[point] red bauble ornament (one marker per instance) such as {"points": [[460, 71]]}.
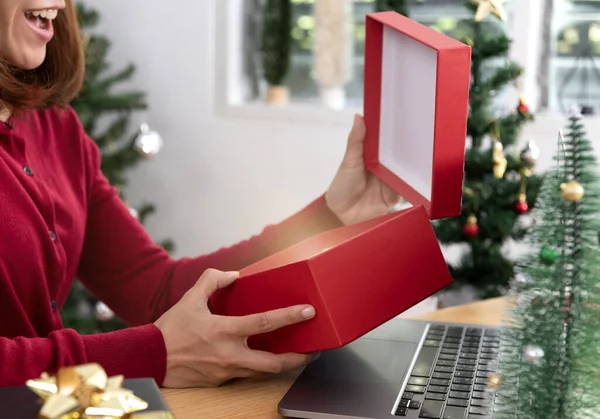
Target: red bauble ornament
{"points": [[471, 229], [523, 109], [521, 206]]}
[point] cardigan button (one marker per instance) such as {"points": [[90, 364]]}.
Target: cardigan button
{"points": [[53, 235], [28, 171], [53, 302]]}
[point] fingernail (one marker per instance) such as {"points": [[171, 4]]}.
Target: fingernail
{"points": [[308, 313]]}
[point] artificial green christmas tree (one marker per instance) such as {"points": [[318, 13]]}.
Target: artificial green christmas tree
{"points": [[551, 366], [500, 181], [276, 47], [106, 117], [399, 6]]}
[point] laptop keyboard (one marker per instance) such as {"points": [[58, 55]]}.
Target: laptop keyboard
{"points": [[450, 377]]}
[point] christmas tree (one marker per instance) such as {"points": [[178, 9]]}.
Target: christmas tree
{"points": [[106, 117], [276, 47], [399, 6], [552, 338], [500, 184]]}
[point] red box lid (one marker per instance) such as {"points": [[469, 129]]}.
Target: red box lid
{"points": [[416, 101]]}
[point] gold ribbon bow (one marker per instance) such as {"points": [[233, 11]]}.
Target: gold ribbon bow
{"points": [[86, 392]]}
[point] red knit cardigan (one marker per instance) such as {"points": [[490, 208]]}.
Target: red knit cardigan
{"points": [[60, 219]]}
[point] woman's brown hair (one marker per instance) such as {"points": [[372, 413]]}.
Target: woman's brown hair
{"points": [[58, 80]]}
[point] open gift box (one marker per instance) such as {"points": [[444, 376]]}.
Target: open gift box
{"points": [[360, 276]]}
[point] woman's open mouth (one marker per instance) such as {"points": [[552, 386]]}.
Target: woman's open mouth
{"points": [[41, 22]]}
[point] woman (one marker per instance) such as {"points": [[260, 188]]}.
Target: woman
{"points": [[61, 219]]}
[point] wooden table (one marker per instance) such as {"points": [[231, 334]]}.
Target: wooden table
{"points": [[259, 399]]}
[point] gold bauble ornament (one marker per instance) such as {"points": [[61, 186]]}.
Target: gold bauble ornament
{"points": [[572, 191], [494, 381], [485, 7]]}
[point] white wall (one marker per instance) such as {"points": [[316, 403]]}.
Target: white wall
{"points": [[216, 181], [220, 180]]}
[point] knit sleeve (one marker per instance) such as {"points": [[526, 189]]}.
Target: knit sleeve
{"points": [[133, 352]]}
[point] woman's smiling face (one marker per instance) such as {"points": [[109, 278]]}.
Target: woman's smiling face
{"points": [[25, 30]]}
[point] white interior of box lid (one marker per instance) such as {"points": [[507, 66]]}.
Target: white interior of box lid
{"points": [[408, 89]]}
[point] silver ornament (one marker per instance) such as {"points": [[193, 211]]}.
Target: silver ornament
{"points": [[530, 154], [103, 313], [518, 283], [533, 354], [521, 278], [134, 213], [148, 143]]}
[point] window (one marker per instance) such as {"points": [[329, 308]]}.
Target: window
{"points": [[441, 15], [575, 63], [562, 64]]}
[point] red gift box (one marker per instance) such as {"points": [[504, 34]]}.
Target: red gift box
{"points": [[360, 276]]}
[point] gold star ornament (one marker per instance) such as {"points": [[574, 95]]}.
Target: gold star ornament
{"points": [[485, 7]]}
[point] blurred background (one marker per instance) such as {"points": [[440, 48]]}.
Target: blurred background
{"points": [[239, 110]]}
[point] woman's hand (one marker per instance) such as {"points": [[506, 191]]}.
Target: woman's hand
{"points": [[355, 194], [204, 350]]}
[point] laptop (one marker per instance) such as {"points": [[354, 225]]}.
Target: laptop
{"points": [[405, 368]]}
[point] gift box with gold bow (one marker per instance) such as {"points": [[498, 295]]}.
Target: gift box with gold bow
{"points": [[84, 392]]}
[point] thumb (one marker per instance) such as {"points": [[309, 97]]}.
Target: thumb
{"points": [[210, 281], [356, 138]]}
